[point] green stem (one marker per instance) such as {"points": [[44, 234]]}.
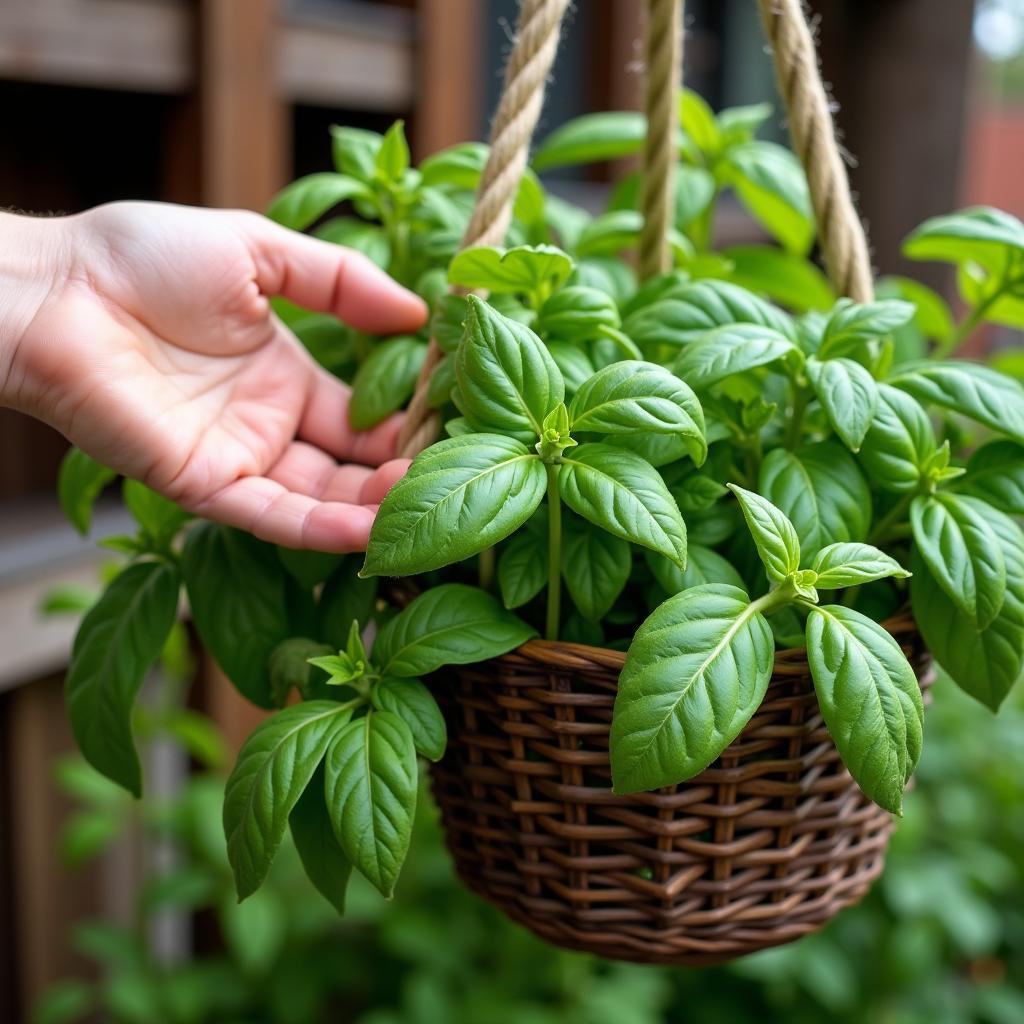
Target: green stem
{"points": [[486, 569], [554, 554], [801, 398], [975, 317], [884, 525]]}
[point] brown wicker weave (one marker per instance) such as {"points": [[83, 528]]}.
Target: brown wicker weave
{"points": [[764, 846]]}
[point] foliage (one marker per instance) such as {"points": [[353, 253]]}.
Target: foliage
{"points": [[684, 457]]}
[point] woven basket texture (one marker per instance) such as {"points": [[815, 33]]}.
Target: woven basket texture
{"points": [[766, 845]]}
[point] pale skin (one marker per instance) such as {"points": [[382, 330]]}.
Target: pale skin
{"points": [[143, 333]]}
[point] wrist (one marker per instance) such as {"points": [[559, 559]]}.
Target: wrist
{"points": [[35, 262]]}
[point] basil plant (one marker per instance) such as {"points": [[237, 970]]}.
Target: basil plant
{"points": [[698, 470]]}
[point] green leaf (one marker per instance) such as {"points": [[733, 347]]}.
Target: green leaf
{"points": [[576, 313], [702, 566], [159, 518], [774, 535], [620, 492], [460, 496], [344, 599], [237, 590], [695, 672], [975, 391], [117, 643], [370, 784], [981, 234], [931, 311], [869, 698], [784, 277], [522, 270], [355, 151], [962, 552], [309, 568], [849, 396], [291, 666], [698, 121], [369, 239], [770, 183], [573, 363], [848, 564], [685, 313], [595, 568], [610, 234], [392, 159], [729, 350], [995, 473], [590, 138], [322, 857], [385, 381], [80, 481], [739, 124], [273, 768], [851, 324], [411, 701], [822, 491], [633, 397], [988, 663], [899, 443], [522, 568], [507, 378], [452, 624], [304, 201]]}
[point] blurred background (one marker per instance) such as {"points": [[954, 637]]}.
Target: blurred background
{"points": [[123, 910]]}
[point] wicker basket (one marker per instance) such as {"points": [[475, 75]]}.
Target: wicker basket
{"points": [[763, 847]]}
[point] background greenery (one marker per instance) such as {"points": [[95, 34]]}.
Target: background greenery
{"points": [[939, 941]]}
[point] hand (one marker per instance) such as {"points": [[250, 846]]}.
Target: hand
{"points": [[153, 347]]}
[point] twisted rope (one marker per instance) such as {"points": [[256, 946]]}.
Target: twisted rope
{"points": [[840, 232], [526, 73], [664, 57]]}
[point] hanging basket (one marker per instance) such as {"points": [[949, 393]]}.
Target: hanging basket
{"points": [[766, 845], [774, 838]]}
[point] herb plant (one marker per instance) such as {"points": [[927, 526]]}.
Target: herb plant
{"points": [[698, 470]]}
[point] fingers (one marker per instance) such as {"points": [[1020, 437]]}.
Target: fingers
{"points": [[325, 424], [329, 278], [307, 470], [273, 513]]}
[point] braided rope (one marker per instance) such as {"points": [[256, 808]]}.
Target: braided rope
{"points": [[526, 73], [664, 58], [840, 232]]}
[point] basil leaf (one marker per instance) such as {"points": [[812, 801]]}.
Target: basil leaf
{"points": [[702, 566], [976, 391], [851, 324], [899, 443], [590, 138], [385, 381], [849, 565], [770, 183], [306, 200], [981, 235], [370, 778], [774, 535], [573, 363], [698, 122], [623, 494], [448, 625], [392, 159], [522, 568], [274, 766], [610, 233], [738, 124], [355, 151], [869, 698], [595, 568], [344, 599], [695, 672], [459, 496], [524, 269], [158, 518], [309, 568], [369, 239], [632, 397], [995, 473], [784, 277], [576, 313], [119, 639], [686, 312], [849, 396], [237, 590], [729, 350], [962, 552], [822, 491], [80, 481], [507, 379], [988, 663], [411, 701], [324, 861]]}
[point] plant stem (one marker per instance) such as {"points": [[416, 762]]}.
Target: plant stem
{"points": [[554, 554], [891, 518], [486, 569], [801, 397]]}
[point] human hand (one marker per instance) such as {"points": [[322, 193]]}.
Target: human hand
{"points": [[143, 333]]}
